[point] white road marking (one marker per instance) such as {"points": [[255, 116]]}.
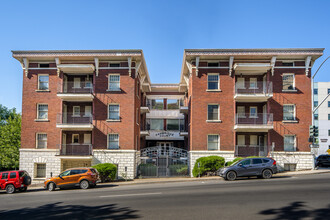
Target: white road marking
{"points": [[141, 194]]}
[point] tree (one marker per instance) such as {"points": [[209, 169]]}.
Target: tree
{"points": [[10, 138]]}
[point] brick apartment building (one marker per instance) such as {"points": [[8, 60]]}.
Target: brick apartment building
{"points": [[81, 108]]}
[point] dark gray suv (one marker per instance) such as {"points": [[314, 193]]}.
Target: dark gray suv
{"points": [[260, 167]]}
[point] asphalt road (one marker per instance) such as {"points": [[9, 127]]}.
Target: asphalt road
{"points": [[297, 197]]}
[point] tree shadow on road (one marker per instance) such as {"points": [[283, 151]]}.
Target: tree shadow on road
{"points": [[297, 211], [64, 211]]}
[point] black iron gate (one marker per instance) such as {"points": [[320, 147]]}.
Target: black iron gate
{"points": [[157, 162]]}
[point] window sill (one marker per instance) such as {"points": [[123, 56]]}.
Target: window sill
{"points": [[38, 90], [87, 116], [113, 120], [108, 90], [253, 116], [253, 88], [76, 87], [213, 90], [291, 90], [241, 116], [41, 120], [290, 121], [213, 121]]}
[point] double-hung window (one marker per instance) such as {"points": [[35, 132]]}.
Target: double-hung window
{"points": [[43, 82], [40, 169], [213, 81], [212, 142], [253, 112], [212, 112], [41, 141], [113, 141], [114, 82], [289, 112], [76, 111], [289, 143], [42, 111], [288, 81], [241, 111], [113, 112], [253, 83]]}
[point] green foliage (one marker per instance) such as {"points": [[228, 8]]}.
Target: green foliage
{"points": [[147, 170], [107, 171], [208, 164], [179, 169], [228, 163], [10, 138]]}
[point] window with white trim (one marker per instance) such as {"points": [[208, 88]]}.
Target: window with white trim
{"points": [[76, 111], [289, 112], [253, 83], [76, 82], [113, 141], [213, 142], [88, 111], [114, 82], [253, 140], [43, 82], [241, 140], [75, 138], [88, 82], [240, 84], [253, 112], [42, 111], [288, 81], [113, 112], [241, 111], [213, 81], [40, 170], [212, 112], [41, 141], [290, 143]]}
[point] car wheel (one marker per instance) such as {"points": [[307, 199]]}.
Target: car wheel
{"points": [[84, 184], [267, 174], [51, 186], [10, 189], [231, 175], [23, 189]]}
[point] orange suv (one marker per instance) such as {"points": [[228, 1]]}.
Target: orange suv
{"points": [[83, 177]]}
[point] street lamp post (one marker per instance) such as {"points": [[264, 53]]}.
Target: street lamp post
{"points": [[314, 109]]}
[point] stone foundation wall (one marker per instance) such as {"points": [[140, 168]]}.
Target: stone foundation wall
{"points": [[194, 155], [302, 160], [122, 158], [30, 157]]}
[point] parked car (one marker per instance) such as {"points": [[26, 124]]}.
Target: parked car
{"points": [[83, 177], [16, 180], [260, 167], [323, 160]]}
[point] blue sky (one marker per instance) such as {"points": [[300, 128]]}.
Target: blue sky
{"points": [[163, 29]]}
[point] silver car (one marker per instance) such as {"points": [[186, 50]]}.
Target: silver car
{"points": [[260, 167]]}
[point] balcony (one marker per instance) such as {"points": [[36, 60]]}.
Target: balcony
{"points": [[260, 92], [261, 122], [76, 150], [184, 109], [144, 109], [73, 91], [250, 150], [73, 122]]}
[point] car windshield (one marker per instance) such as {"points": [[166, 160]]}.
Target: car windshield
{"points": [[233, 164], [65, 173]]}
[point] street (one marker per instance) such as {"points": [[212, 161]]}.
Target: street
{"points": [[285, 197]]}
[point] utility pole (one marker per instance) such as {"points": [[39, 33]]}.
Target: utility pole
{"points": [[314, 109]]}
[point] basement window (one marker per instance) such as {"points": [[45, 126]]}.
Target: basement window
{"points": [[43, 65]]}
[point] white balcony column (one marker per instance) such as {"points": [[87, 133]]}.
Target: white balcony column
{"points": [[272, 63], [58, 62], [129, 60], [231, 61], [307, 63], [197, 65], [96, 60], [26, 66]]}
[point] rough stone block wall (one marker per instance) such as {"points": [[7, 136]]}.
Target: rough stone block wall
{"points": [[194, 155], [303, 160], [122, 158], [28, 158]]}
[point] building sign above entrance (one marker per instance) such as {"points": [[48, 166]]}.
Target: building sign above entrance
{"points": [[164, 135]]}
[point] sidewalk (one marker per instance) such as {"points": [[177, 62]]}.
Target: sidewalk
{"points": [[185, 179]]}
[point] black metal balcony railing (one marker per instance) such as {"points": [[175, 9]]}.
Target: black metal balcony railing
{"points": [[71, 119], [75, 88], [250, 150], [254, 119], [76, 150], [258, 88]]}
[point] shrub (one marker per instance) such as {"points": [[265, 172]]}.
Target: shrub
{"points": [[231, 162], [179, 169], [147, 170], [208, 164], [107, 171]]}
